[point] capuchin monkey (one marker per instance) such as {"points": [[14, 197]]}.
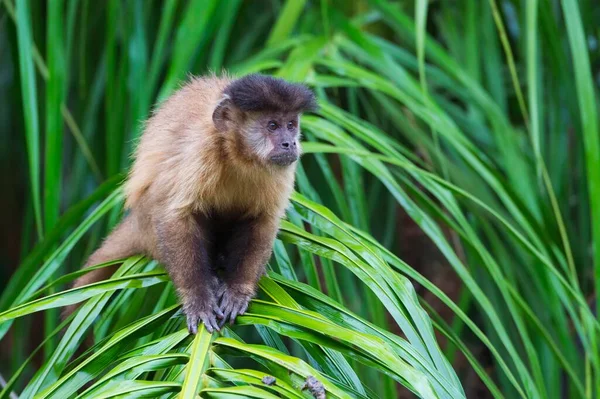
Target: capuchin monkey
{"points": [[211, 180]]}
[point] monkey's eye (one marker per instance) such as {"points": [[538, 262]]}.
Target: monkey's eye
{"points": [[291, 125], [272, 126]]}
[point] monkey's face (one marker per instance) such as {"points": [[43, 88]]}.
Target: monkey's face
{"points": [[274, 138]]}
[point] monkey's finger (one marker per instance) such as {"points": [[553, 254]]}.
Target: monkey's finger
{"points": [[192, 324], [218, 312], [225, 304], [234, 314], [238, 309], [215, 322], [226, 315], [208, 324], [244, 308]]}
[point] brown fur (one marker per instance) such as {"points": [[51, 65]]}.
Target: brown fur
{"points": [[121, 243], [204, 200]]}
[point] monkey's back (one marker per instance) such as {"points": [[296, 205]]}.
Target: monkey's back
{"points": [[175, 138]]}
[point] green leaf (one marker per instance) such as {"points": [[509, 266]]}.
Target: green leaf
{"points": [[291, 363], [30, 107], [588, 112], [138, 389], [238, 392], [254, 377], [190, 33], [55, 259], [79, 294], [96, 362], [286, 21], [197, 365], [130, 369]]}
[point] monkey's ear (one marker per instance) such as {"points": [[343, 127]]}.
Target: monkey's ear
{"points": [[222, 113]]}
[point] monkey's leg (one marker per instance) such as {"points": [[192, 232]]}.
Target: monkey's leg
{"points": [[122, 242], [246, 254], [185, 249]]}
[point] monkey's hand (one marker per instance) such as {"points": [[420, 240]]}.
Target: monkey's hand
{"points": [[234, 300], [203, 309]]}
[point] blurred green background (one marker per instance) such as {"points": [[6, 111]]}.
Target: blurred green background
{"points": [[444, 240]]}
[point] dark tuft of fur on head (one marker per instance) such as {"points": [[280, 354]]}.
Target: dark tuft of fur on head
{"points": [[257, 92]]}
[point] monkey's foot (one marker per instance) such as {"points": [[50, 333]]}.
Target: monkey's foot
{"points": [[205, 314], [234, 302]]}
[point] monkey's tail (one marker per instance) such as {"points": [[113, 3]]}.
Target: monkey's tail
{"points": [[122, 242]]}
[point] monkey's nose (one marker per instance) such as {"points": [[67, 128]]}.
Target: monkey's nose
{"points": [[285, 144]]}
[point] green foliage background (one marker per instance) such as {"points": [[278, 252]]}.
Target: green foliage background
{"points": [[477, 119]]}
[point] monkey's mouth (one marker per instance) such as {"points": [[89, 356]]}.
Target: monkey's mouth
{"points": [[285, 158]]}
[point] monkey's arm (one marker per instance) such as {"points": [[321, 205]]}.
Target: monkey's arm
{"points": [[246, 254], [184, 248]]}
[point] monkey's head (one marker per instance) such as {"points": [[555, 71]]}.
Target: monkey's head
{"points": [[263, 115]]}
